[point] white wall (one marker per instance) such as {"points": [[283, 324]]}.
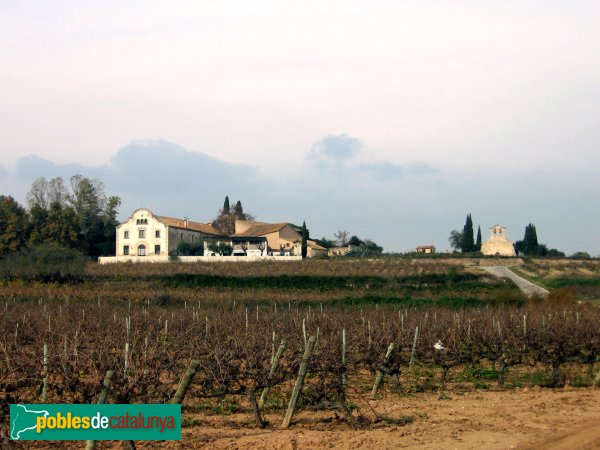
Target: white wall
{"points": [[165, 258]]}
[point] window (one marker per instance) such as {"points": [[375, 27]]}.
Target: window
{"points": [[142, 234], [126, 234], [142, 250], [126, 250], [157, 234], [181, 236], [157, 249]]}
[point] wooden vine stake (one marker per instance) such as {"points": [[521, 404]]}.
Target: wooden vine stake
{"points": [[186, 381], [413, 355], [274, 367], [299, 381], [45, 385], [344, 372], [381, 374], [91, 445]]}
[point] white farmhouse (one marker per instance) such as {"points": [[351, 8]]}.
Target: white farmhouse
{"points": [[146, 234]]}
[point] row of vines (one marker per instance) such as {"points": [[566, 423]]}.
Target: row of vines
{"points": [[61, 349]]}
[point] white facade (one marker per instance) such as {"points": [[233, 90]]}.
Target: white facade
{"points": [[144, 234], [498, 244]]}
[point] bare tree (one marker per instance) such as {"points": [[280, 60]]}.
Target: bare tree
{"points": [[341, 237]]}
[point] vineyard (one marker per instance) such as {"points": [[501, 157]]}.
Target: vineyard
{"points": [[359, 334]]}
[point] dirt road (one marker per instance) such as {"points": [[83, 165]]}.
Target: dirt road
{"points": [[526, 286]]}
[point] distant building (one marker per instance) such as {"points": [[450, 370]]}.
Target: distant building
{"points": [[312, 249], [280, 236], [498, 244], [340, 251], [426, 249], [146, 234]]}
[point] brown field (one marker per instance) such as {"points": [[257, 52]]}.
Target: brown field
{"points": [[489, 389], [526, 418]]}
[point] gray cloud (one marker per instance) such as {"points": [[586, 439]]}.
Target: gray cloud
{"points": [[334, 149], [339, 153], [386, 171]]}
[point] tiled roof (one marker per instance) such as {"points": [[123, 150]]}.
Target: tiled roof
{"points": [[195, 226], [261, 229], [311, 244], [314, 245]]}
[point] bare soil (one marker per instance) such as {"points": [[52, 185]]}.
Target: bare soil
{"points": [[528, 418]]}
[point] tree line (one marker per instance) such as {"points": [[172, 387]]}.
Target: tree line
{"points": [[79, 216]]}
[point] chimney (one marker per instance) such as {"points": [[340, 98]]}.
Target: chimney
{"points": [[185, 222]]}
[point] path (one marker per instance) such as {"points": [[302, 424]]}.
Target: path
{"points": [[526, 286]]}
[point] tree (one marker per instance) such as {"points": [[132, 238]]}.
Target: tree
{"points": [[354, 240], [220, 248], [95, 215], [478, 242], [341, 238], [326, 243], [468, 244], [529, 246], [43, 193], [226, 205], [57, 224], [225, 220], [83, 218], [14, 225], [304, 245], [456, 240], [186, 248], [238, 210], [367, 249], [581, 255]]}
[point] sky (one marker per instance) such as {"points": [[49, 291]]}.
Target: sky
{"points": [[389, 119]]}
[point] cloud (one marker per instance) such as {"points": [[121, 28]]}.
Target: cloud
{"points": [[386, 171], [150, 173], [158, 165], [341, 153], [334, 149]]}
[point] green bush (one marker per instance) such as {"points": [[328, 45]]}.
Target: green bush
{"points": [[45, 262], [185, 248]]}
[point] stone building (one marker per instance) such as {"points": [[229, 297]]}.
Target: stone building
{"points": [[498, 244]]}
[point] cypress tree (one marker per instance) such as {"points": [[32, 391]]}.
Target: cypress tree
{"points": [[304, 245], [468, 243], [478, 243], [226, 205], [530, 241], [238, 210]]}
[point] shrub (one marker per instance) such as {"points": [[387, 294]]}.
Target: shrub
{"points": [[186, 248], [45, 262]]}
